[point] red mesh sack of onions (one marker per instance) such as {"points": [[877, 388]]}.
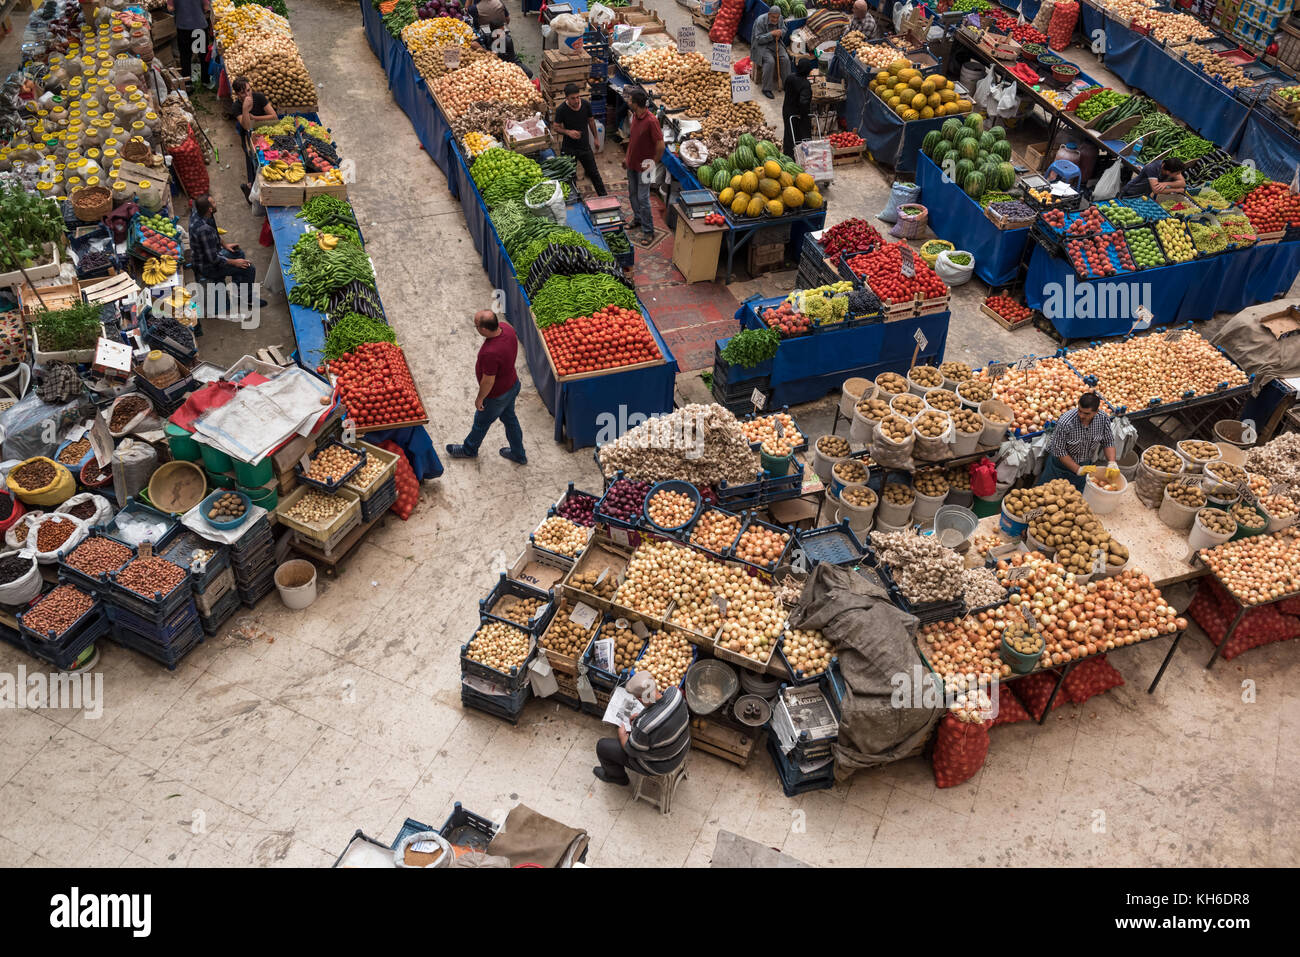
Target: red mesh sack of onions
{"points": [[1261, 626], [1010, 710], [187, 160], [1033, 692], [959, 751], [1093, 676], [408, 489]]}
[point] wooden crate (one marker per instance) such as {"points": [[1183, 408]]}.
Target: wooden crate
{"points": [[765, 257], [316, 534], [844, 155], [637, 15], [312, 190], [587, 375], [62, 296], [929, 307], [600, 555], [1006, 323], [276, 193], [703, 22], [561, 663], [727, 740]]}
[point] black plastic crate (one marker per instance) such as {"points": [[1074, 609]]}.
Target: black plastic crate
{"points": [[222, 612], [255, 592], [493, 704], [925, 612], [63, 650], [797, 677], [255, 536], [752, 521], [169, 656], [467, 829], [835, 544], [326, 486], [794, 781], [136, 507], [96, 585], [506, 587], [156, 609], [513, 679], [409, 826], [573, 491], [181, 551], [726, 552], [163, 633], [177, 350], [633, 521], [246, 575], [380, 501]]}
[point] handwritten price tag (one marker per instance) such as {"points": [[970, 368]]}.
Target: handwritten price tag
{"points": [[908, 267], [1173, 335], [1017, 572], [920, 338], [1026, 362], [686, 39], [451, 57], [997, 370], [741, 90], [720, 57], [757, 399]]}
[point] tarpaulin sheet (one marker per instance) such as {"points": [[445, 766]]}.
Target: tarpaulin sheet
{"points": [[1196, 290], [308, 324], [1274, 149], [890, 140], [956, 217], [1188, 95], [807, 367]]}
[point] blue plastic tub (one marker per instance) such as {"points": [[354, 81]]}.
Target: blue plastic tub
{"points": [[672, 485]]}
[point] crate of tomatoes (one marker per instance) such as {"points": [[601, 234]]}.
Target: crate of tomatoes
{"points": [[882, 270], [376, 387], [1006, 312], [611, 338]]}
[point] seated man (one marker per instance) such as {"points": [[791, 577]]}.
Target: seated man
{"points": [[767, 50], [659, 739], [215, 261]]}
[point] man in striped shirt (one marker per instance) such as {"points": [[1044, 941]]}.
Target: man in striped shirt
{"points": [[1076, 439], [658, 741]]}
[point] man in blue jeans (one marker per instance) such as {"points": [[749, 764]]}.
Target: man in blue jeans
{"points": [[498, 387], [645, 147]]}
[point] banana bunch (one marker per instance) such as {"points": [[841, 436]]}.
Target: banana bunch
{"points": [[280, 170], [326, 241], [158, 268], [180, 297]]}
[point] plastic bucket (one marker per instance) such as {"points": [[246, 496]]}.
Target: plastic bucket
{"points": [[775, 465], [926, 506], [268, 498], [254, 475], [1037, 546], [215, 460], [1229, 431], [1009, 524], [1277, 524], [1201, 537], [853, 391], [296, 582], [1020, 662], [1101, 501], [1175, 514], [181, 444], [859, 516], [885, 527], [897, 515], [1128, 465], [1244, 532], [995, 432], [987, 505]]}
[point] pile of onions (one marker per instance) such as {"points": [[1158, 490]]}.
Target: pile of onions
{"points": [[1039, 394], [1131, 373], [1075, 620], [490, 80], [1259, 569]]}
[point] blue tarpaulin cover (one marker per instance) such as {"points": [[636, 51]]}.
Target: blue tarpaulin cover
{"points": [[956, 217]]}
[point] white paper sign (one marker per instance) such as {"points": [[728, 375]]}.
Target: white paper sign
{"points": [[741, 90], [686, 39], [920, 338], [619, 536], [451, 57], [720, 57], [101, 441], [583, 615], [757, 399]]}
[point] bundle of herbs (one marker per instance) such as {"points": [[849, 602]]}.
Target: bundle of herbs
{"points": [[61, 330], [27, 222]]}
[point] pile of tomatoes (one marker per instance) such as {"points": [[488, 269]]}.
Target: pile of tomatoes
{"points": [[846, 140], [1008, 308], [1272, 207], [883, 271], [375, 384], [607, 339], [715, 219]]}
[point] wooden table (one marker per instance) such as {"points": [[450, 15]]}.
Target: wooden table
{"points": [[696, 247]]}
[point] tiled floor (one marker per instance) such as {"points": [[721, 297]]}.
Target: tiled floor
{"points": [[272, 743]]}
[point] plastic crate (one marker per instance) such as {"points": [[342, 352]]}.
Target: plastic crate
{"points": [[507, 587], [793, 780], [156, 609], [96, 585], [513, 679], [250, 571], [695, 656], [831, 687], [334, 486], [135, 506], [62, 650], [682, 532], [380, 483], [177, 350], [409, 826], [328, 534], [802, 447], [221, 613], [726, 552], [216, 590], [569, 493], [254, 593], [925, 612], [835, 544], [181, 551], [169, 656], [379, 501], [254, 535], [172, 395], [632, 522], [752, 521], [467, 829], [507, 709], [796, 677]]}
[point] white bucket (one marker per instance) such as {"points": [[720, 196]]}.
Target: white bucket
{"points": [[296, 591], [1110, 571], [1101, 501], [1128, 465], [968, 403], [1194, 465], [1177, 515], [903, 409], [995, 432], [1201, 537], [1277, 524], [926, 506], [891, 514], [1037, 546], [853, 391], [917, 388], [965, 443]]}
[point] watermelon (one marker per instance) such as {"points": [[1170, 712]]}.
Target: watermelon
{"points": [[974, 185], [982, 157], [944, 156], [746, 140], [969, 148], [705, 174], [721, 180], [744, 156], [951, 127], [965, 168], [798, 10], [987, 140], [767, 150], [1006, 176], [975, 122], [931, 143], [998, 133], [1002, 150]]}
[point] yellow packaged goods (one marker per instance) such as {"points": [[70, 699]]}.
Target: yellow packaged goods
{"points": [[41, 481]]}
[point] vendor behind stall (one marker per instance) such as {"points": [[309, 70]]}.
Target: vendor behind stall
{"points": [[862, 21], [1078, 435], [767, 50], [1157, 177], [252, 109]]}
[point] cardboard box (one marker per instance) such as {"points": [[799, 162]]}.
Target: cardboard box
{"points": [[1035, 153], [164, 28]]}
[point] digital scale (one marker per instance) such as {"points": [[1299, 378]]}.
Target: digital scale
{"points": [[605, 212], [697, 203]]}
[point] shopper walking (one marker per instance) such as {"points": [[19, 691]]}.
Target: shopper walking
{"points": [[767, 50], [658, 739], [498, 387], [645, 141], [796, 107], [1079, 434], [191, 34], [577, 129]]}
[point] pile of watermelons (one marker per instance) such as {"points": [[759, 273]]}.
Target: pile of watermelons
{"points": [[757, 179], [976, 159]]}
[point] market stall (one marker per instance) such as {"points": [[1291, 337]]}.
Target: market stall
{"points": [[959, 218], [892, 140]]}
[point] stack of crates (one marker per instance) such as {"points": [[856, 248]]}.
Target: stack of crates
{"points": [[379, 493], [252, 559], [164, 627], [596, 46], [66, 649], [212, 578], [501, 694], [805, 724]]}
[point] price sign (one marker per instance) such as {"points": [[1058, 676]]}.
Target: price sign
{"points": [[1190, 480], [780, 429], [602, 653], [686, 38], [1017, 572], [451, 57], [1247, 494], [721, 602], [640, 630], [619, 536], [997, 370], [757, 399], [1173, 335], [1026, 362], [741, 90], [920, 338], [1035, 513], [146, 549], [720, 57], [584, 616], [101, 440], [908, 267]]}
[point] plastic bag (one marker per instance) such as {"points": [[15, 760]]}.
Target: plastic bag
{"points": [[26, 586], [58, 489], [983, 89], [1124, 435], [815, 158], [13, 538], [952, 273], [983, 477], [1013, 460], [134, 461], [71, 542], [600, 15], [885, 451], [103, 508], [910, 225], [900, 194], [552, 206], [1006, 102], [31, 427], [1044, 16], [1108, 186], [901, 13]]}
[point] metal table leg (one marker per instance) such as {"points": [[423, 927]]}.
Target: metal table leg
{"points": [[1047, 708], [1169, 656], [1227, 635]]}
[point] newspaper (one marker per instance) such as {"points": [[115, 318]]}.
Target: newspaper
{"points": [[261, 417]]}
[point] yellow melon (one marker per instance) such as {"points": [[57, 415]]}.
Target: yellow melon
{"points": [[791, 197], [813, 200], [901, 109], [775, 208], [785, 179], [934, 100], [726, 196], [947, 96], [909, 115], [894, 102], [915, 83], [928, 87], [769, 188], [755, 207], [899, 65], [772, 169], [739, 204], [927, 112], [749, 182], [735, 182], [805, 183], [901, 88], [883, 76], [908, 73], [917, 101], [963, 106]]}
